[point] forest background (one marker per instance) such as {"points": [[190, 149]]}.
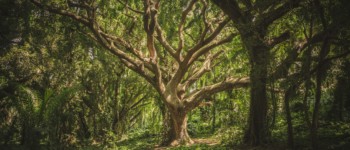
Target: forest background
{"points": [[207, 74]]}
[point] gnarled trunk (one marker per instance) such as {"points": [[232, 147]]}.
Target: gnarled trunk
{"points": [[179, 127], [175, 124]]}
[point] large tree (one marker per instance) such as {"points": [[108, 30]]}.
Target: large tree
{"points": [[255, 22], [252, 20], [171, 61]]}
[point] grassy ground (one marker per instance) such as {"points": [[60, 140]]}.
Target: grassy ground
{"points": [[331, 137], [204, 142]]}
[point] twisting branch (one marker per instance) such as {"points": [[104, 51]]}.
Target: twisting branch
{"points": [[149, 20], [130, 8], [205, 21], [206, 67], [214, 44], [150, 23], [197, 51], [162, 40], [277, 13], [141, 72], [206, 41], [105, 40], [185, 12], [194, 98], [281, 38], [124, 43], [231, 8], [117, 52], [337, 56], [137, 53], [282, 69]]}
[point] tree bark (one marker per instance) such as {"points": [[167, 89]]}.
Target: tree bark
{"points": [[314, 125], [320, 74], [168, 130], [336, 112], [213, 119], [274, 107], [179, 127], [175, 127], [256, 133], [288, 95]]}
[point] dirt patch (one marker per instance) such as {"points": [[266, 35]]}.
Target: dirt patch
{"points": [[197, 141], [207, 141]]}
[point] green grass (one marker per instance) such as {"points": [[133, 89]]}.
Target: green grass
{"points": [[332, 136]]}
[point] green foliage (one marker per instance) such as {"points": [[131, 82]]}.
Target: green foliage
{"points": [[61, 90], [231, 136]]}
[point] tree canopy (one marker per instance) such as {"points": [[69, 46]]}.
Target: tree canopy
{"points": [[100, 74]]}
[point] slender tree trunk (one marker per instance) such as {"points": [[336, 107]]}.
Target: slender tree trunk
{"points": [[314, 124], [274, 107], [307, 76], [321, 70], [336, 113], [213, 119], [84, 126], [288, 95]]}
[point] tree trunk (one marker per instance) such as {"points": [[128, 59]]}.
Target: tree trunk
{"points": [[256, 133], [213, 119], [274, 107], [168, 129], [175, 127], [314, 125], [307, 77], [320, 74], [257, 127], [179, 126], [336, 113], [288, 95]]}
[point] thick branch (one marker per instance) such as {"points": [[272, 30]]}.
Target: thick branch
{"points": [[149, 20], [281, 38], [231, 8], [123, 43], [162, 40], [337, 56], [194, 98], [181, 25], [189, 61], [140, 71], [277, 13], [206, 67], [200, 49], [211, 37], [281, 70], [206, 49], [105, 40]]}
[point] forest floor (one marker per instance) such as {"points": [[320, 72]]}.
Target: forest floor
{"points": [[151, 142], [198, 142], [331, 137]]}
